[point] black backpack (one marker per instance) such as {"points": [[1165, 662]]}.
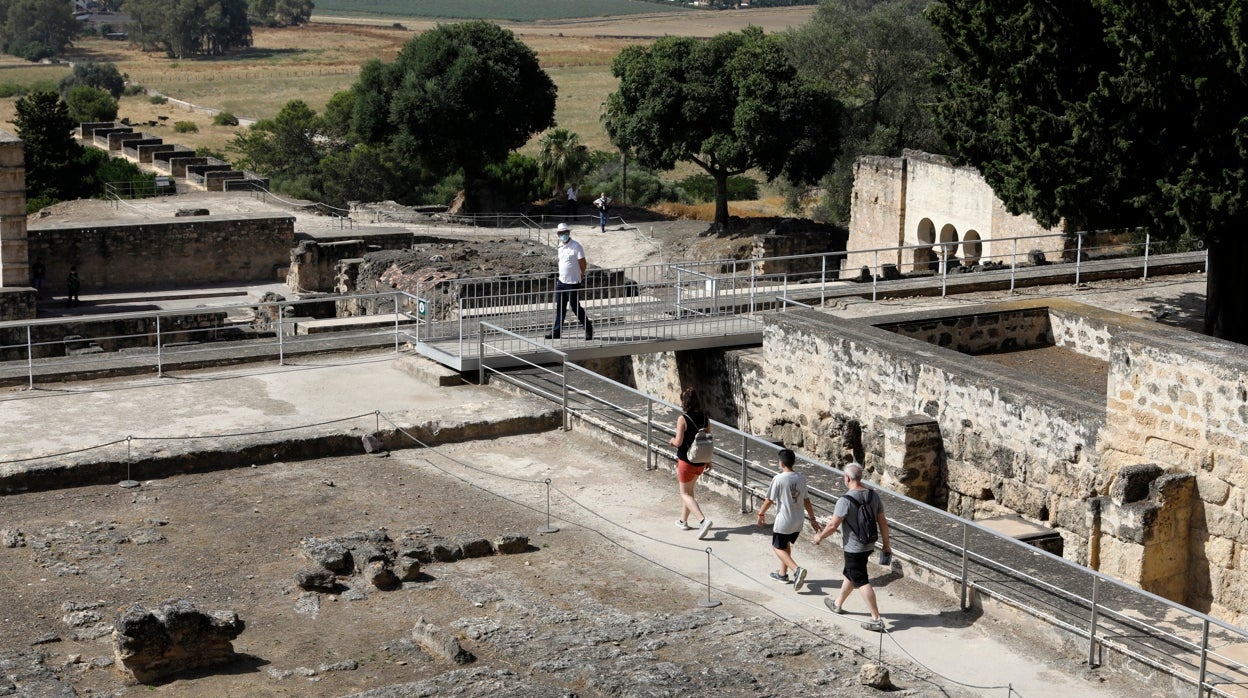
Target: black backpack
{"points": [[861, 518]]}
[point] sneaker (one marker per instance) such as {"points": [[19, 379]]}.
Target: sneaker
{"points": [[551, 335], [799, 578], [875, 626], [589, 331], [781, 577], [704, 529], [683, 526], [831, 604]]}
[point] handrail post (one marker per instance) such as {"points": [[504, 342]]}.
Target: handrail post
{"points": [[481, 359], [1147, 239], [1096, 594], [281, 349], [1078, 256], [1204, 658], [1013, 264], [823, 279], [875, 275], [160, 368], [30, 361], [396, 322], [744, 470], [649, 434], [567, 417], [966, 532]]}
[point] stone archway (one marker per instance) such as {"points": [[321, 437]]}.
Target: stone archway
{"points": [[972, 247], [924, 256], [947, 250]]}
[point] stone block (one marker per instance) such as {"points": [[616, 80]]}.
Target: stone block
{"points": [[440, 644], [316, 579], [175, 637], [510, 544], [474, 546], [1133, 482]]}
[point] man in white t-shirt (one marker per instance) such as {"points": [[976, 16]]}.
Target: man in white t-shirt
{"points": [[788, 493], [573, 193], [569, 283]]}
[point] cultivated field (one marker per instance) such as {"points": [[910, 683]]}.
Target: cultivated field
{"points": [[526, 11], [314, 62]]}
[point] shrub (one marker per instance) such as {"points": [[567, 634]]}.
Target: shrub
{"points": [[132, 89], [158, 99], [87, 103], [224, 119], [701, 187], [38, 203], [644, 186], [185, 127]]}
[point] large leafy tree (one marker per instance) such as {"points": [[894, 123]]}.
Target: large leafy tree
{"points": [[460, 96], [36, 29], [281, 12], [728, 105], [52, 157], [184, 28], [877, 58], [1110, 113], [101, 75]]}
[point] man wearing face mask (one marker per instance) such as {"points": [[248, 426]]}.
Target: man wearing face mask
{"points": [[569, 282]]}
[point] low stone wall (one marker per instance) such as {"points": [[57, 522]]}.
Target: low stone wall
{"points": [[17, 304], [179, 251], [108, 335]]}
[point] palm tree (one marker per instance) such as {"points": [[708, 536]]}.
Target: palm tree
{"points": [[563, 158]]}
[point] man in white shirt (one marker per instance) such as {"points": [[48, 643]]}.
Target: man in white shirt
{"points": [[573, 193], [569, 283]]}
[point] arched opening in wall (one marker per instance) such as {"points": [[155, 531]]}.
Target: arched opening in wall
{"points": [[972, 248], [948, 247], [924, 255]]}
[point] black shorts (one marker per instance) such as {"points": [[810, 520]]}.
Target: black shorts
{"points": [[856, 568], [782, 541]]}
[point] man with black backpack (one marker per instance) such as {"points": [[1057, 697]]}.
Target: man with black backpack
{"points": [[862, 512]]}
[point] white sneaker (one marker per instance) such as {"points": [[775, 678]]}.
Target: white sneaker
{"points": [[704, 529], [799, 578], [683, 526]]}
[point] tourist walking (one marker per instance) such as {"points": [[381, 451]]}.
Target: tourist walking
{"points": [[692, 419], [862, 512], [788, 493], [569, 282], [72, 284], [603, 204]]}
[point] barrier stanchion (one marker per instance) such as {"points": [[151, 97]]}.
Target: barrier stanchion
{"points": [[708, 602], [548, 528], [128, 483]]}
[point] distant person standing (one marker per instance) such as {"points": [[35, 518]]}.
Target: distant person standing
{"points": [[569, 282], [603, 204], [788, 493], [862, 512], [37, 272], [573, 193], [73, 284]]}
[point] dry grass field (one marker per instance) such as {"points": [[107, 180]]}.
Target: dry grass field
{"points": [[314, 62]]}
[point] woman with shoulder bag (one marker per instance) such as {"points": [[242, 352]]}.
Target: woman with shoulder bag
{"points": [[688, 423]]}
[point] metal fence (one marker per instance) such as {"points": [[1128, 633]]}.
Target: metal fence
{"points": [[1107, 615]]}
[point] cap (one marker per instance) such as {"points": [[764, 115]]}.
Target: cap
{"points": [[562, 228]]}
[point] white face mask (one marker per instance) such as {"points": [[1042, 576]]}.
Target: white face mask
{"points": [[564, 237]]}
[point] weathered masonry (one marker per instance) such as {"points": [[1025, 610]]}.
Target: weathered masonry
{"points": [[1138, 458]]}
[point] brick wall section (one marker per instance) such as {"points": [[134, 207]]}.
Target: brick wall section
{"points": [[178, 251]]}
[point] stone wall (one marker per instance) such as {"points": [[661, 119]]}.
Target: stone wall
{"points": [[14, 257], [177, 251], [89, 335], [17, 304], [921, 198]]}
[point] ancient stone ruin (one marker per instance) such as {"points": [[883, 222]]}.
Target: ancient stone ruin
{"points": [[149, 645]]}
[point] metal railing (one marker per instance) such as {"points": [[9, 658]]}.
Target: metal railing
{"points": [[1193, 647]]}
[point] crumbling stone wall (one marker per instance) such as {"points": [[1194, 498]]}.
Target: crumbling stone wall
{"points": [[181, 251], [64, 338], [17, 304]]}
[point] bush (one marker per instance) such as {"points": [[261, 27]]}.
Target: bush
{"points": [[224, 119], [38, 203], [87, 103], [185, 127], [517, 181], [701, 187], [644, 186], [132, 89], [158, 99]]}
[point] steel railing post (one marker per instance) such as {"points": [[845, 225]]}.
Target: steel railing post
{"points": [[567, 417], [875, 276], [160, 367], [1204, 658], [944, 273], [281, 355], [744, 471], [823, 279], [649, 434], [396, 322], [30, 361], [1013, 264], [1147, 239], [1078, 256], [481, 359], [966, 533], [1096, 596]]}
